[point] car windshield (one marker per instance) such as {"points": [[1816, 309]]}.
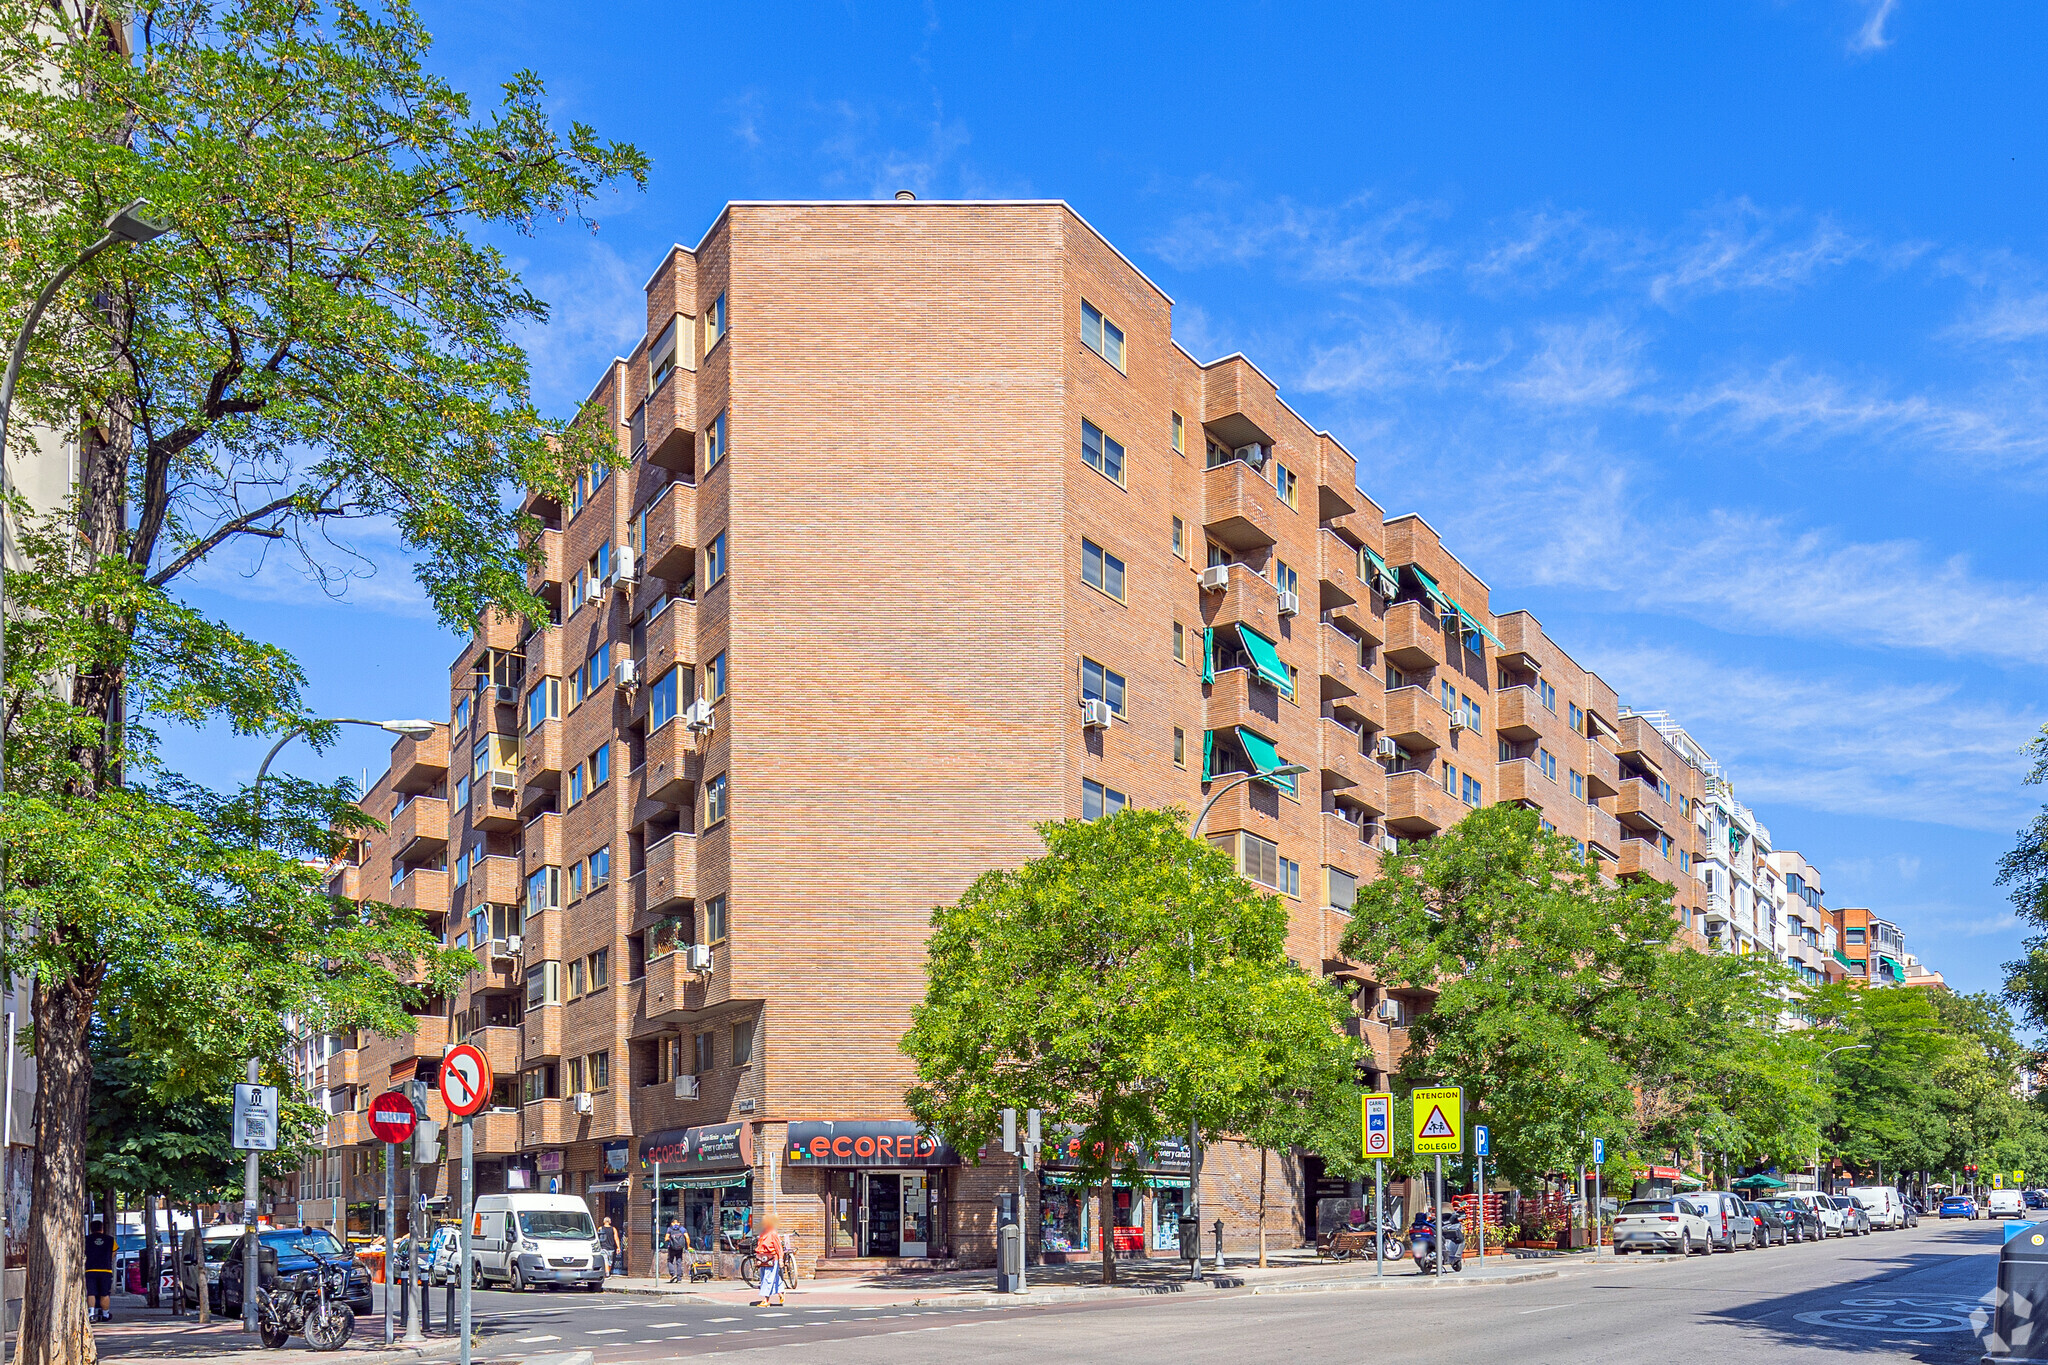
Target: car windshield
{"points": [[559, 1224], [220, 1248], [1782, 1205], [310, 1241], [1647, 1206]]}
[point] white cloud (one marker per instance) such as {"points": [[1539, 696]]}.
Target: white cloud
{"points": [[1358, 242], [2007, 319], [1870, 35], [858, 162], [597, 310], [1592, 362], [1393, 351], [1738, 246], [363, 567]]}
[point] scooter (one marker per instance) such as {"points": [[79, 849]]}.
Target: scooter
{"points": [[1422, 1240]]}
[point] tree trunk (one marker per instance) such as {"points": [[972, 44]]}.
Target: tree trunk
{"points": [[199, 1270], [149, 1267], [1106, 1203], [1262, 1208], [53, 1325]]}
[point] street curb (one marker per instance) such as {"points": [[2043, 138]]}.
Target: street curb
{"points": [[1402, 1282]]}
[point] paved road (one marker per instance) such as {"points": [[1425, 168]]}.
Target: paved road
{"points": [[1895, 1296]]}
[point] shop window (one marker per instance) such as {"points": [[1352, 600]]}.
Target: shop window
{"points": [[1064, 1217]]}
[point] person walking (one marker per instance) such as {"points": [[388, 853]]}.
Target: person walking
{"points": [[99, 1272], [768, 1251], [678, 1243], [614, 1252]]}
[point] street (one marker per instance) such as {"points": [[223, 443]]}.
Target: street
{"points": [[1904, 1296]]}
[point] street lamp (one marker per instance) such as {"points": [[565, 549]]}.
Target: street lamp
{"points": [[1846, 1047], [411, 729], [1194, 1123]]}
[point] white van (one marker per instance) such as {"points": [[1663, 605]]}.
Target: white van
{"points": [[529, 1239], [1729, 1223], [1882, 1202], [2005, 1204]]}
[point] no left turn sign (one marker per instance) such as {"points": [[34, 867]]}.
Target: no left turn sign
{"points": [[465, 1080]]}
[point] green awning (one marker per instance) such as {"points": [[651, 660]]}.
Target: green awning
{"points": [[1208, 655], [1266, 659], [1264, 757], [1758, 1181], [1429, 586], [1898, 972], [1388, 582], [1208, 753], [1471, 626], [1845, 959]]}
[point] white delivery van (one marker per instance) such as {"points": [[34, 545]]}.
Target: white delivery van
{"points": [[1883, 1203], [2005, 1204], [529, 1239]]}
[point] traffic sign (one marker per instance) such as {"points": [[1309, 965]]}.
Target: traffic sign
{"points": [[2019, 1177], [1599, 1151], [391, 1116], [1482, 1141], [1377, 1119], [465, 1080], [254, 1125], [1439, 1121]]}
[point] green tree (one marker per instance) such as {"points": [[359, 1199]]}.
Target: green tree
{"points": [[320, 343], [1121, 981], [2025, 870], [1546, 976], [1881, 1103]]}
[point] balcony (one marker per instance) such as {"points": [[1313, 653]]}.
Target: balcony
{"points": [[543, 655], [670, 876], [1519, 714], [1337, 572], [1236, 699], [540, 764], [346, 882], [348, 1129], [424, 889], [665, 641], [494, 802], [341, 1069], [1519, 779], [1336, 480], [1641, 808], [420, 765], [1238, 507], [545, 577], [1247, 597], [1603, 833], [1418, 806], [1416, 719], [1357, 619], [541, 1035], [674, 992], [670, 424], [1640, 858], [501, 1046], [1367, 704], [496, 880], [496, 1131], [541, 846], [671, 522], [673, 765], [420, 829], [1347, 847], [1344, 759], [495, 972], [1415, 641], [553, 1123]]}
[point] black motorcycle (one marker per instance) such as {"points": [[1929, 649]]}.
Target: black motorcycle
{"points": [[1422, 1241], [313, 1305]]}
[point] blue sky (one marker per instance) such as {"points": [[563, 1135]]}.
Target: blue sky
{"points": [[1717, 336]]}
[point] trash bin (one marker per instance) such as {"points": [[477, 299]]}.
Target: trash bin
{"points": [[2019, 1322]]}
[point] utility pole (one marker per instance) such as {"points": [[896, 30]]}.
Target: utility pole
{"points": [[250, 1172]]}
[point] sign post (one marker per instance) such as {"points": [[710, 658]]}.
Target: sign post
{"points": [[392, 1119], [466, 1088], [255, 1132], [1599, 1160], [1481, 1147], [1439, 1130], [1376, 1125]]}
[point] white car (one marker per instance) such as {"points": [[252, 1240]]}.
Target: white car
{"points": [[1887, 1209], [1660, 1225], [1833, 1223]]}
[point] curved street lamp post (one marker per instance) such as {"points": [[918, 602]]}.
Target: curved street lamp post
{"points": [[1847, 1047]]}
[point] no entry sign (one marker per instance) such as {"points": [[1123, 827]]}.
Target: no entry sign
{"points": [[391, 1116], [465, 1080]]}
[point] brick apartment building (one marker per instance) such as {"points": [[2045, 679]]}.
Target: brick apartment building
{"points": [[923, 530]]}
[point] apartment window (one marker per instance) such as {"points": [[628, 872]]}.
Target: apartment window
{"points": [[1284, 577], [576, 685], [1180, 747], [600, 1070], [1289, 883], [1218, 555], [575, 1065], [1449, 696], [461, 873], [714, 443], [1258, 860], [1575, 717], [1450, 779], [1180, 434], [1342, 887], [1098, 800], [598, 671], [1664, 844], [1507, 752], [1102, 684], [600, 867], [599, 568], [715, 324], [462, 714], [576, 880], [714, 678], [661, 360], [543, 984], [1180, 643], [575, 784], [601, 766], [1578, 784], [714, 560], [543, 889], [661, 700], [1547, 695], [1285, 483], [1470, 710], [743, 1043], [462, 791], [543, 703], [538, 1084], [714, 920], [701, 1056], [1547, 761], [1472, 794], [1180, 539], [1102, 570], [1852, 936], [600, 966], [578, 983], [714, 801], [1103, 453], [1100, 335], [1684, 860]]}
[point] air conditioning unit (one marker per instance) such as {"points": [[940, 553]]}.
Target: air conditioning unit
{"points": [[1095, 715], [502, 781], [686, 1087], [698, 956], [627, 569], [499, 948], [1253, 455], [1216, 578], [1459, 722], [1290, 603], [507, 696], [1389, 1011], [515, 943], [698, 715], [585, 1102], [1384, 747], [628, 672]]}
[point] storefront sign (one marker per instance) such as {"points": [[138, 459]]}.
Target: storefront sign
{"points": [[616, 1155], [890, 1142], [713, 1146], [548, 1163], [1168, 1155]]}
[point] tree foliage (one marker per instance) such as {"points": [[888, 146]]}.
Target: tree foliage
{"points": [[2025, 871], [1120, 982]]}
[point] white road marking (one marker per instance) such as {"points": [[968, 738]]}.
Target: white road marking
{"points": [[529, 1341], [652, 1325], [605, 1332], [1548, 1306], [725, 1319]]}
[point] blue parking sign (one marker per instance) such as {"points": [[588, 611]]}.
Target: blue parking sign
{"points": [[1485, 1146], [1599, 1151]]}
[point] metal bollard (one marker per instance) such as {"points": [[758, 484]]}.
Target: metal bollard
{"points": [[2019, 1323], [448, 1310], [1219, 1244]]}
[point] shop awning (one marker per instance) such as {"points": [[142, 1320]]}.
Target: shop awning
{"points": [[1266, 659], [608, 1187], [699, 1182], [1758, 1181], [1383, 578], [1264, 757]]}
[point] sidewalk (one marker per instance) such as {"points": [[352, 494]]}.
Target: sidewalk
{"points": [[140, 1332]]}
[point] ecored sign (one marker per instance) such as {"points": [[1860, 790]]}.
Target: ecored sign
{"points": [[891, 1142], [391, 1116]]}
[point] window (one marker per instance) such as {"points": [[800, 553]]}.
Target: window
{"points": [[667, 935], [1472, 794], [701, 1053], [1102, 684], [543, 703], [661, 357], [543, 889], [1103, 453], [576, 686], [1578, 784], [1450, 779], [715, 324], [1284, 577], [1547, 695], [575, 784], [743, 1043], [543, 984], [462, 714], [1180, 747], [1102, 570], [1180, 434], [1684, 860], [714, 920], [1576, 717], [1180, 539], [1101, 336], [600, 1070], [661, 700], [576, 880], [1852, 936], [1180, 643], [577, 980], [1343, 888], [714, 801], [461, 873], [599, 568], [1289, 883], [1218, 555], [714, 678], [462, 791], [1285, 483], [601, 766], [1547, 761], [714, 443], [714, 560], [538, 1084], [598, 671], [600, 867], [1258, 860], [1470, 710], [1449, 696], [1098, 800]]}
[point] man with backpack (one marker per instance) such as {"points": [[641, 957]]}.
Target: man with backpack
{"points": [[614, 1250], [678, 1244]]}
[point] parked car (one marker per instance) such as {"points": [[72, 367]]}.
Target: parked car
{"points": [[529, 1239], [1773, 1224], [1660, 1225], [1913, 1212], [296, 1249], [1728, 1222], [2034, 1199], [1824, 1211], [1855, 1220], [1883, 1204], [1801, 1222], [443, 1265], [2005, 1204], [1959, 1206]]}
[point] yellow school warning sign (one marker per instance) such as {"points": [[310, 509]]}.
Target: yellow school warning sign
{"points": [[1439, 1121]]}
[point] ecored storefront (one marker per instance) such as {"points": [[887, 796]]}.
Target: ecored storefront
{"points": [[705, 1177], [886, 1185]]}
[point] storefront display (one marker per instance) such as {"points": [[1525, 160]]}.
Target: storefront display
{"points": [[1063, 1216], [883, 1183], [703, 1176], [1146, 1197]]}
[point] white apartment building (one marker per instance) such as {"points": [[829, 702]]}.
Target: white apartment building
{"points": [[1810, 931]]}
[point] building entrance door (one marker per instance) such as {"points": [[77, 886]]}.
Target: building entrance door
{"points": [[884, 1208], [915, 1236], [841, 1216]]}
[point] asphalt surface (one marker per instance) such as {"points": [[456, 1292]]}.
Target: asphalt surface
{"points": [[1918, 1295]]}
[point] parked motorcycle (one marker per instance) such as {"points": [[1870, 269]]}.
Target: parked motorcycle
{"points": [[1422, 1241], [313, 1305]]}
